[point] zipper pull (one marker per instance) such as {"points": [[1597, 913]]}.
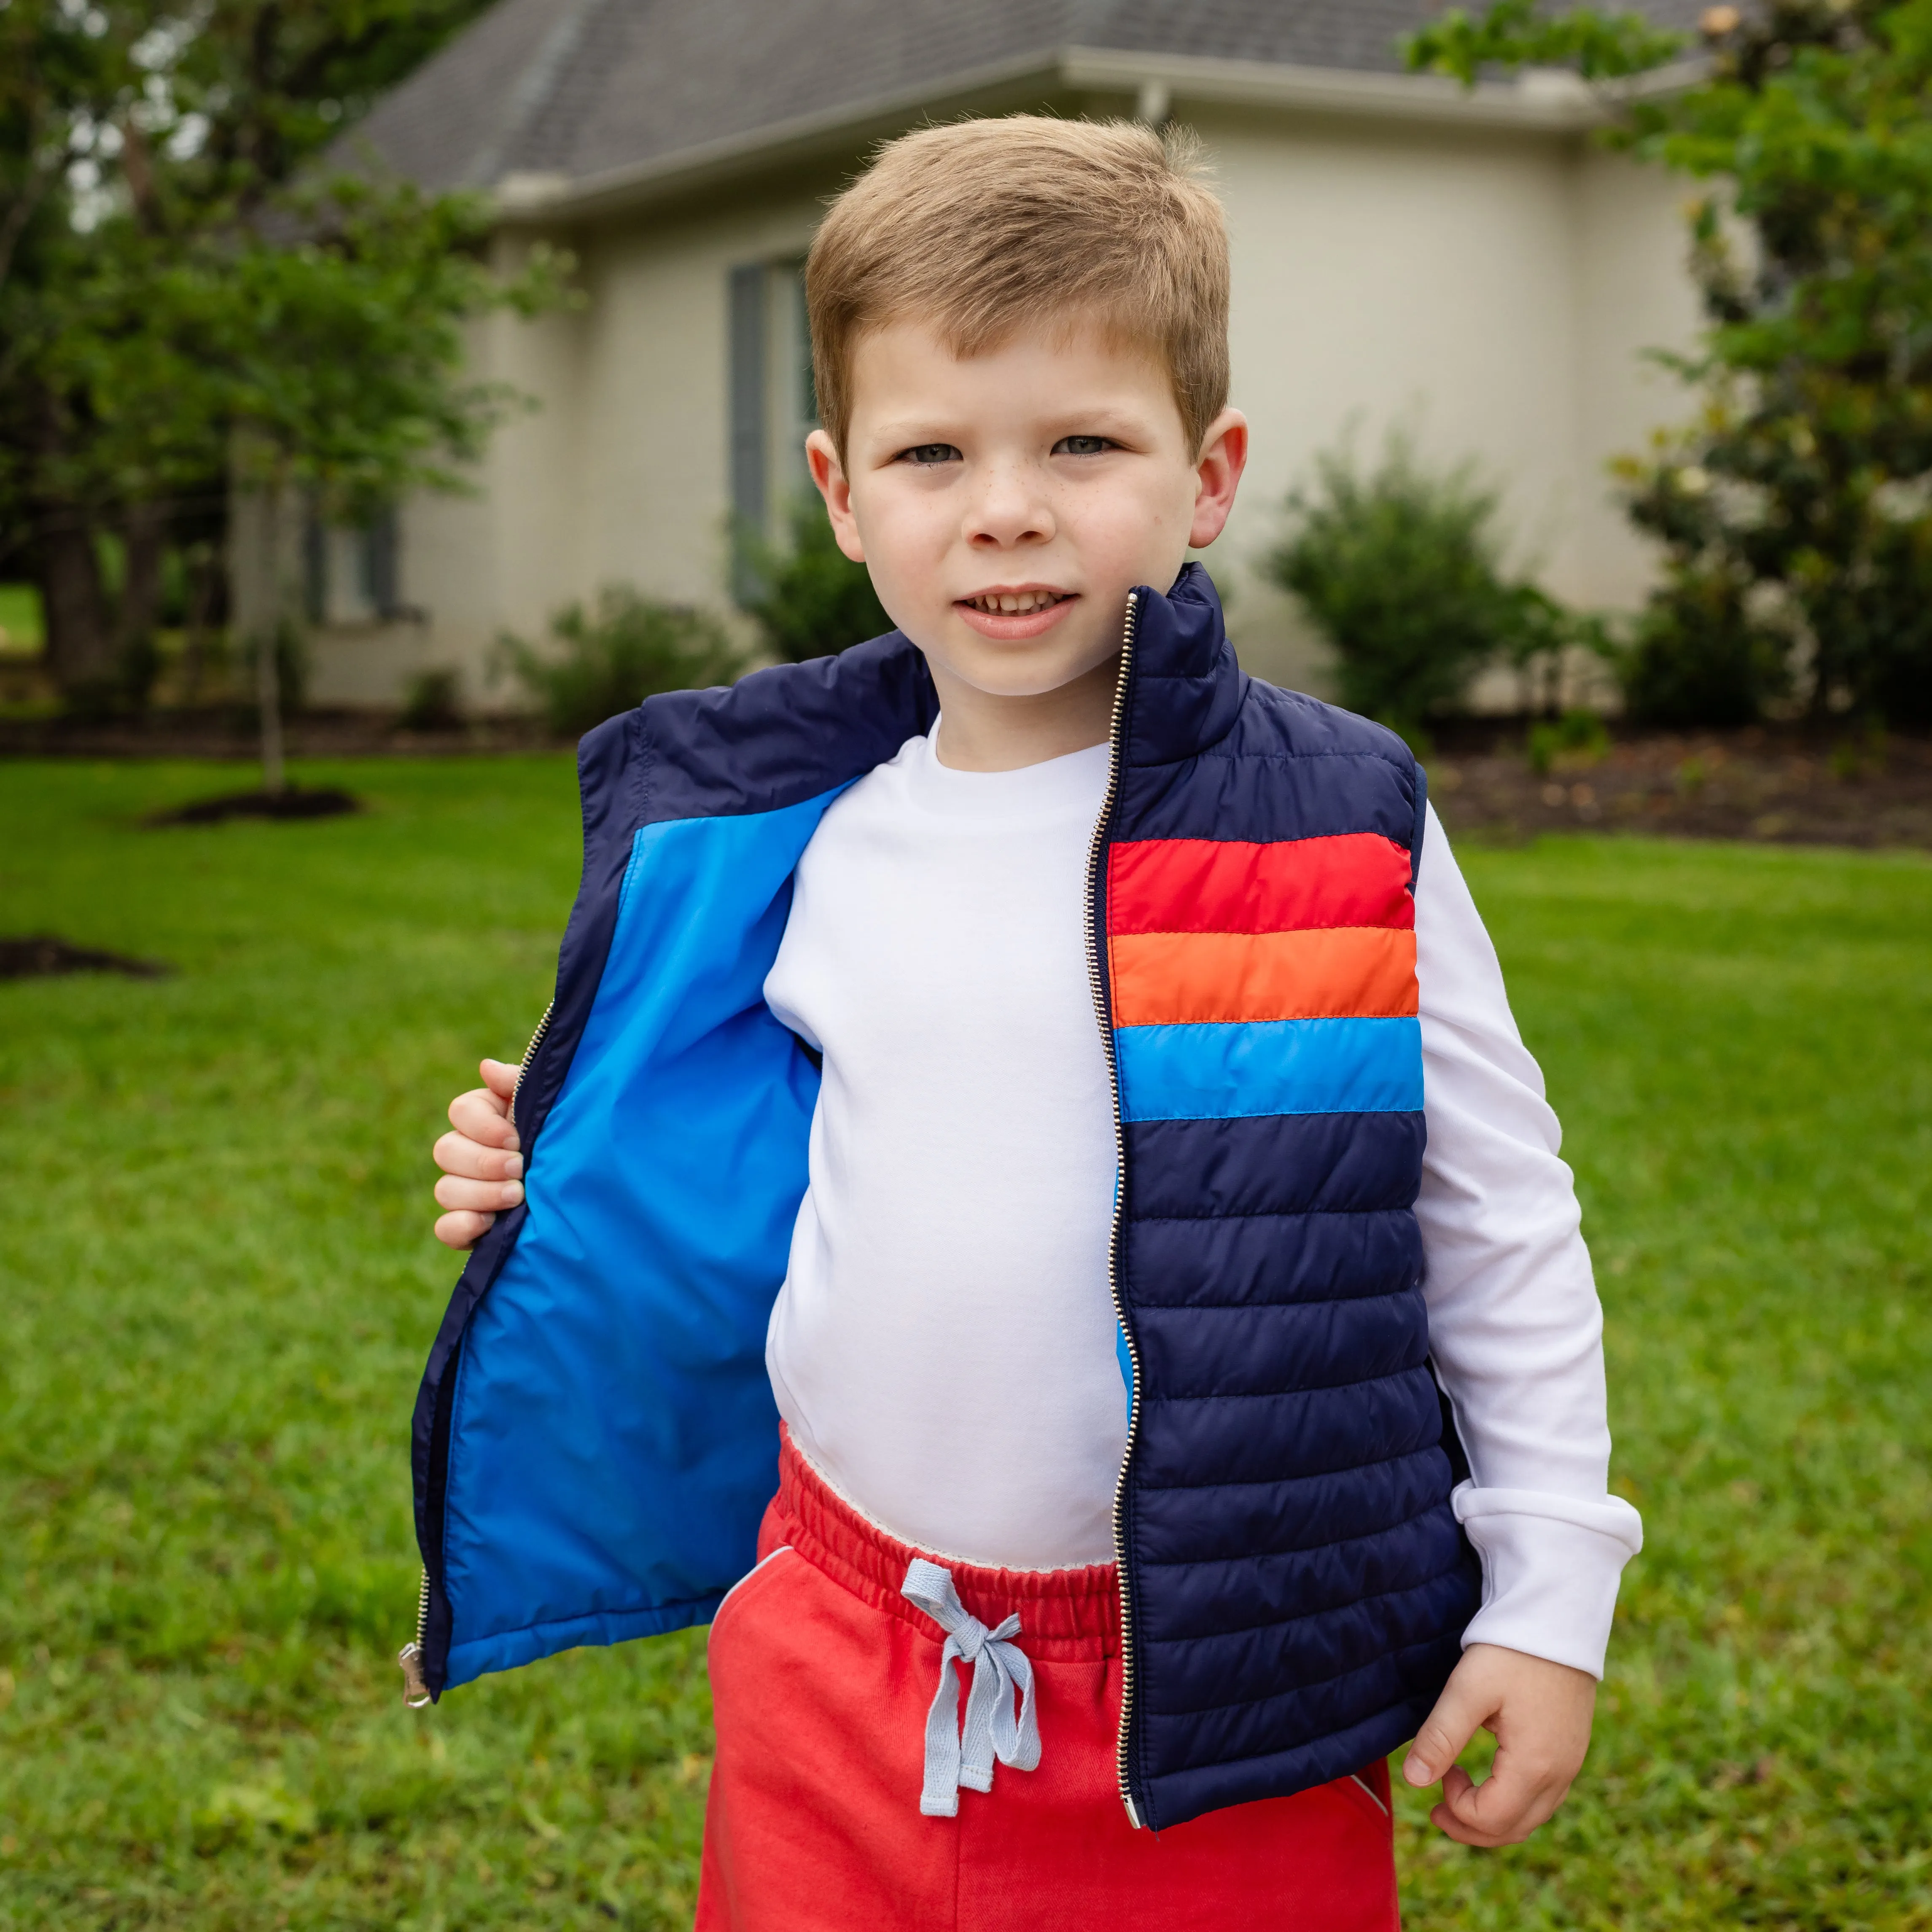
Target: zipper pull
{"points": [[415, 1692]]}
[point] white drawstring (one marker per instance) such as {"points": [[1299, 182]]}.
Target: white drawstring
{"points": [[1001, 1673]]}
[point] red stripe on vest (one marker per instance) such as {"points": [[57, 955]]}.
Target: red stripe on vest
{"points": [[1212, 885]]}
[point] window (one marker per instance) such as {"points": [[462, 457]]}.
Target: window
{"points": [[773, 407], [351, 573]]}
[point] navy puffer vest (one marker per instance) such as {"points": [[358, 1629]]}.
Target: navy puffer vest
{"points": [[596, 1438]]}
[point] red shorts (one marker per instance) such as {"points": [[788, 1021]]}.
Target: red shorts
{"points": [[821, 1677]]}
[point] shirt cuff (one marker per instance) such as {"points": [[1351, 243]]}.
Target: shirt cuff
{"points": [[1550, 1567]]}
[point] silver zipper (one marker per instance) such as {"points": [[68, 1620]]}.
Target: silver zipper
{"points": [[1100, 1012], [415, 1692], [529, 1053]]}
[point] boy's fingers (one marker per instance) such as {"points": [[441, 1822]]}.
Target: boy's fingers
{"points": [[499, 1076], [480, 1114], [470, 1160], [462, 1230], [1505, 1807], [482, 1167], [1540, 1711], [486, 1197], [1445, 1732]]}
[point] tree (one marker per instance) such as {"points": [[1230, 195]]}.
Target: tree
{"points": [[1798, 506], [189, 284]]}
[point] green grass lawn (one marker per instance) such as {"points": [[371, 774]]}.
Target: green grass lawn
{"points": [[217, 1287]]}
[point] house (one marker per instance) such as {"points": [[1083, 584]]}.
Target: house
{"points": [[1468, 264]]}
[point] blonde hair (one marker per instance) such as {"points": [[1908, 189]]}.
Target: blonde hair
{"points": [[979, 227]]}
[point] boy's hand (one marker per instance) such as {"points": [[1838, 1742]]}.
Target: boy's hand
{"points": [[1540, 1714], [482, 1171]]}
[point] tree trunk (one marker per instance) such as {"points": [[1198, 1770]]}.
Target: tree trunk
{"points": [[144, 532], [80, 644], [269, 695], [277, 507], [202, 566], [137, 660]]}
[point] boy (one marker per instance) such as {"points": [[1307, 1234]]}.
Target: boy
{"points": [[1003, 1052]]}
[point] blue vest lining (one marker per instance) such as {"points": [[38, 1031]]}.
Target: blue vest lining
{"points": [[619, 1440]]}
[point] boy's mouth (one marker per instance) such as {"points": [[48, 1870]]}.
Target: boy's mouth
{"points": [[1013, 615], [1007, 603]]}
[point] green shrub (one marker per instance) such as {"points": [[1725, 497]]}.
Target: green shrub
{"points": [[609, 659], [1401, 570], [433, 702], [1697, 659], [1578, 737], [809, 599]]}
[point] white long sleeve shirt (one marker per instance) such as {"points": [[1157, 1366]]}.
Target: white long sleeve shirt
{"points": [[944, 1347]]}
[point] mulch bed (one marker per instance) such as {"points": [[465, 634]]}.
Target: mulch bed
{"points": [[1780, 784], [322, 803], [41, 956], [1773, 786]]}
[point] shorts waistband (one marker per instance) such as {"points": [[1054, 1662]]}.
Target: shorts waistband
{"points": [[1065, 1614]]}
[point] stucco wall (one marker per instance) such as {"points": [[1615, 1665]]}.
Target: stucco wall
{"points": [[1487, 293], [1490, 291], [618, 474]]}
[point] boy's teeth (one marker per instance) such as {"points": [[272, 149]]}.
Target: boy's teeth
{"points": [[1014, 604]]}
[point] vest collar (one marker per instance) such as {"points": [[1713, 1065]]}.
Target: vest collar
{"points": [[1185, 687]]}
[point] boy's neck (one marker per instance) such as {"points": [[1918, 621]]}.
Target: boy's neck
{"points": [[983, 731]]}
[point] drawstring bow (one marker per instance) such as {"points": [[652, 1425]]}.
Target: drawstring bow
{"points": [[958, 1755]]}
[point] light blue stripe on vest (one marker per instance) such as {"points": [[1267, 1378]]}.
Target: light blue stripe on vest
{"points": [[1245, 1069]]}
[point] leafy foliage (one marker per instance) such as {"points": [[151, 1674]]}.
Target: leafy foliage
{"points": [[611, 658], [1577, 738], [1515, 33], [186, 279], [1401, 569], [432, 701], [810, 599], [1696, 657], [1795, 513]]}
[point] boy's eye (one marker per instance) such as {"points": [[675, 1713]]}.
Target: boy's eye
{"points": [[928, 453], [1083, 445]]}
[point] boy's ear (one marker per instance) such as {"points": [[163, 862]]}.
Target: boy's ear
{"points": [[828, 474], [1224, 455]]}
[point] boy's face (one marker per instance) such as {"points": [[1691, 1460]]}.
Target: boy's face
{"points": [[1005, 503]]}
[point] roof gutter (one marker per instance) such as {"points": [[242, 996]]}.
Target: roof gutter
{"points": [[1544, 101]]}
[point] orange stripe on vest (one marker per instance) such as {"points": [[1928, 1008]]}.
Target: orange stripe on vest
{"points": [[1184, 979]]}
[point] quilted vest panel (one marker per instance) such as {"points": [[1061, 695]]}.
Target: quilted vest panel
{"points": [[1296, 1583]]}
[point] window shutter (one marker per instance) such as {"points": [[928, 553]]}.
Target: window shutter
{"points": [[380, 564], [315, 567], [747, 333]]}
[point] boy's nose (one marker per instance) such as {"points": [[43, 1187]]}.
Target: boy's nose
{"points": [[1009, 508]]}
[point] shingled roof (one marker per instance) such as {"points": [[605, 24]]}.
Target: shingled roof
{"points": [[575, 94]]}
